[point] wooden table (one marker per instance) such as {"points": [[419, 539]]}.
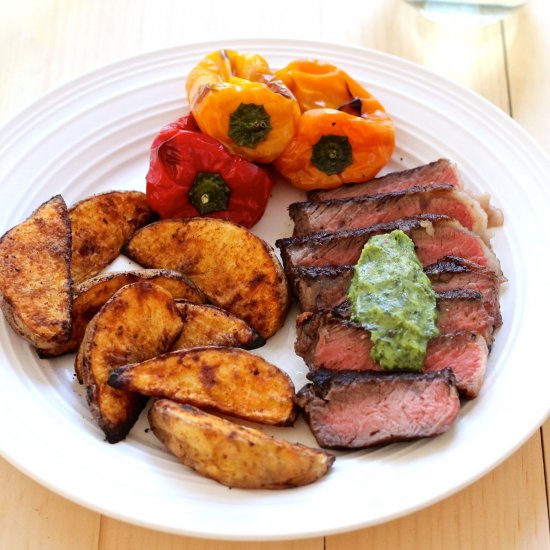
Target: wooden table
{"points": [[43, 44]]}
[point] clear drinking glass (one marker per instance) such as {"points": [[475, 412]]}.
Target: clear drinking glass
{"points": [[468, 12]]}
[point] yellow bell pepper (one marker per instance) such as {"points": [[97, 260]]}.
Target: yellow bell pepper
{"points": [[344, 134], [236, 99]]}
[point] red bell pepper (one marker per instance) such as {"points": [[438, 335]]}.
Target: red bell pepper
{"points": [[192, 174]]}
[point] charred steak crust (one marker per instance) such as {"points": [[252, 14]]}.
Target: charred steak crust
{"points": [[326, 341], [348, 237], [364, 211], [365, 409], [439, 171], [323, 379], [326, 287], [434, 236]]}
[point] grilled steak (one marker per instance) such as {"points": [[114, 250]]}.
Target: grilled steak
{"points": [[320, 287], [327, 287], [440, 171], [356, 212], [463, 310], [465, 353], [434, 236], [452, 273], [457, 310], [355, 410], [326, 341]]}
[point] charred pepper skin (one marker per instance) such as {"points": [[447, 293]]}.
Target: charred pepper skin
{"points": [[344, 134], [236, 99], [192, 174]]}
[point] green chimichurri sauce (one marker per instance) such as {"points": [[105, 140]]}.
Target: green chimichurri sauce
{"points": [[392, 297]]}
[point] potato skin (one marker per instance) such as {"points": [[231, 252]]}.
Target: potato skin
{"points": [[138, 322], [207, 325], [90, 295], [234, 455], [227, 380], [237, 270], [35, 279], [101, 224]]}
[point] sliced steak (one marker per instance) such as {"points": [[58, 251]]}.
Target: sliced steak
{"points": [[457, 310], [320, 287], [464, 310], [327, 287], [326, 341], [452, 273], [356, 410], [434, 237], [465, 353], [357, 212], [439, 171]]}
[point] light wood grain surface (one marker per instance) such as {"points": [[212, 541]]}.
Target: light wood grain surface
{"points": [[46, 43]]}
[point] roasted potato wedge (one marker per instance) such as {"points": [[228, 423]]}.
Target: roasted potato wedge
{"points": [[206, 325], [227, 380], [101, 224], [90, 295], [237, 270], [138, 322], [35, 279], [234, 455]]}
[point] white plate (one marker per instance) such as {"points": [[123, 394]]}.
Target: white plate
{"points": [[93, 134]]}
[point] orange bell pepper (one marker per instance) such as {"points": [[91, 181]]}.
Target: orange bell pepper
{"points": [[344, 134], [236, 99]]}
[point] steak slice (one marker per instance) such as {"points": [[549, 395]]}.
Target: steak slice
{"points": [[320, 287], [465, 353], [464, 310], [434, 237], [452, 273], [326, 341], [439, 171], [327, 287], [356, 212], [356, 410]]}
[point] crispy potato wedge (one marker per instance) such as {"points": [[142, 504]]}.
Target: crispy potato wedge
{"points": [[101, 224], [237, 270], [35, 279], [90, 295], [234, 455], [227, 380], [206, 325], [138, 322]]}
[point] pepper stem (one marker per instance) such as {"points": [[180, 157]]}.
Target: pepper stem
{"points": [[209, 193], [249, 124], [332, 154]]}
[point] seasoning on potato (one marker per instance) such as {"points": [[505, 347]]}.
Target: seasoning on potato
{"points": [[90, 295], [227, 380], [35, 279], [234, 455], [140, 321], [207, 325], [101, 224], [237, 270]]}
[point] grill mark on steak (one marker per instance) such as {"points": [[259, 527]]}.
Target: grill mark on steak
{"points": [[434, 236], [325, 340], [356, 410], [357, 212], [439, 171]]}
